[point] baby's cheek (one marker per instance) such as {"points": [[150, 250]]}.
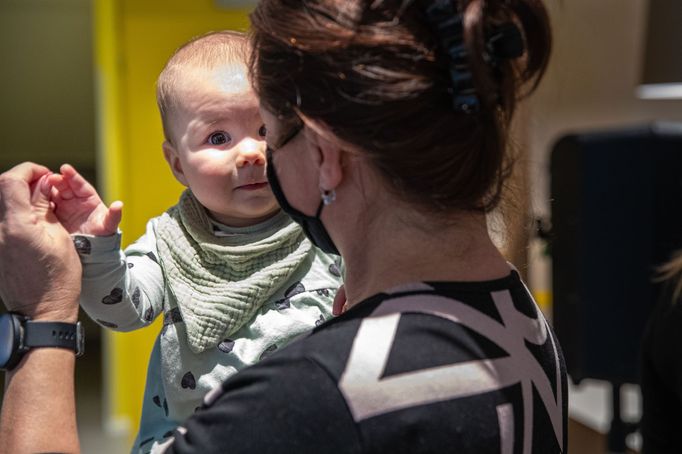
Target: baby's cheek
{"points": [[216, 171]]}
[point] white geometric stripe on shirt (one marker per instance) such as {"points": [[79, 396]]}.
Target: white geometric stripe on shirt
{"points": [[369, 395], [505, 417]]}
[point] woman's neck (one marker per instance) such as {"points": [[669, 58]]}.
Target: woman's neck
{"points": [[396, 251]]}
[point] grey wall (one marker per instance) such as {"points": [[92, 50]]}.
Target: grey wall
{"points": [[46, 82]]}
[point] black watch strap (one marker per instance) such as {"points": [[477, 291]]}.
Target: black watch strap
{"points": [[54, 334]]}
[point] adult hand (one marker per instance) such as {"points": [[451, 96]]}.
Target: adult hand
{"points": [[40, 272]]}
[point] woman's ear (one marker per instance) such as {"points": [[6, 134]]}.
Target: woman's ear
{"points": [[173, 160], [331, 166], [330, 154]]}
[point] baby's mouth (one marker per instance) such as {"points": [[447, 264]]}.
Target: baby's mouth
{"points": [[253, 186]]}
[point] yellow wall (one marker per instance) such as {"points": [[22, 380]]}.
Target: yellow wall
{"points": [[133, 40]]}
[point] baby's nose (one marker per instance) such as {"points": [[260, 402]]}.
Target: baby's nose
{"points": [[251, 152]]}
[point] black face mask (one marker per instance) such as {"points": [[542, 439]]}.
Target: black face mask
{"points": [[312, 225]]}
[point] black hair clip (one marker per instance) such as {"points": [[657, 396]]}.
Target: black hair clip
{"points": [[448, 25], [504, 42]]}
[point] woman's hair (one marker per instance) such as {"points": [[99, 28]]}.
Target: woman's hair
{"points": [[671, 272], [378, 73]]}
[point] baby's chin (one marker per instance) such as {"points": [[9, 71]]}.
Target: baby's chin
{"points": [[246, 217]]}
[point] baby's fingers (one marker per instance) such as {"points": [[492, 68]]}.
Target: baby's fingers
{"points": [[339, 304], [113, 217], [60, 188], [78, 184]]}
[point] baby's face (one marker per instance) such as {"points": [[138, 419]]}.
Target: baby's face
{"points": [[218, 148]]}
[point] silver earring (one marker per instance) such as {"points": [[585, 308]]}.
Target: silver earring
{"points": [[328, 196]]}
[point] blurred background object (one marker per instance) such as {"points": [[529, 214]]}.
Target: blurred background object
{"points": [[616, 198], [662, 65]]}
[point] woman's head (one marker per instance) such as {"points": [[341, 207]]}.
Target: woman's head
{"points": [[378, 74]]}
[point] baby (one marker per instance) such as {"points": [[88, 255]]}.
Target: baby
{"points": [[233, 276]]}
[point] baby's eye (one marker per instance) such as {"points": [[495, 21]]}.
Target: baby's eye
{"points": [[219, 138], [262, 131]]}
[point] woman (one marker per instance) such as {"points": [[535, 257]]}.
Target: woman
{"points": [[661, 368], [387, 125]]}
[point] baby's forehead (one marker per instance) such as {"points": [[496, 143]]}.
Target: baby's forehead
{"points": [[225, 85], [214, 97], [229, 77]]}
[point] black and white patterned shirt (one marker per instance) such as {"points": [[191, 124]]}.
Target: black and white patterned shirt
{"points": [[425, 368]]}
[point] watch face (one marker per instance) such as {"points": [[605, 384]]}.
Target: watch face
{"points": [[7, 339]]}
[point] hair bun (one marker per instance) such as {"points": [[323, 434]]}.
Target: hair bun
{"points": [[505, 42]]}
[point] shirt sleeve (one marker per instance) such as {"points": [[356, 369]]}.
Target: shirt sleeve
{"points": [[121, 290], [278, 406]]}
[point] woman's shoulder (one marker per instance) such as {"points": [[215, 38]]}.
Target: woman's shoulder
{"points": [[428, 320], [424, 350]]}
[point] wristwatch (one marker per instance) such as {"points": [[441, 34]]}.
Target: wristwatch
{"points": [[19, 334]]}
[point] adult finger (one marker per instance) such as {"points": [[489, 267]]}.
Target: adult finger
{"points": [[15, 186], [40, 194], [27, 171], [54, 194]]}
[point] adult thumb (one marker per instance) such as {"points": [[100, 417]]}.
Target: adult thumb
{"points": [[40, 195]]}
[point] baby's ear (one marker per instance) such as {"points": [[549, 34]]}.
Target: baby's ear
{"points": [[173, 160]]}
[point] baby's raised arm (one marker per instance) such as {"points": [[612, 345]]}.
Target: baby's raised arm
{"points": [[118, 291], [78, 206]]}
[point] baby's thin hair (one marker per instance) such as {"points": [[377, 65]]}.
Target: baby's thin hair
{"points": [[207, 51]]}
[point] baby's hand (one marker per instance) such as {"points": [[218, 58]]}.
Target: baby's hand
{"points": [[78, 206], [339, 304]]}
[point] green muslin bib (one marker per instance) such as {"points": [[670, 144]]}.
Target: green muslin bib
{"points": [[219, 282]]}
